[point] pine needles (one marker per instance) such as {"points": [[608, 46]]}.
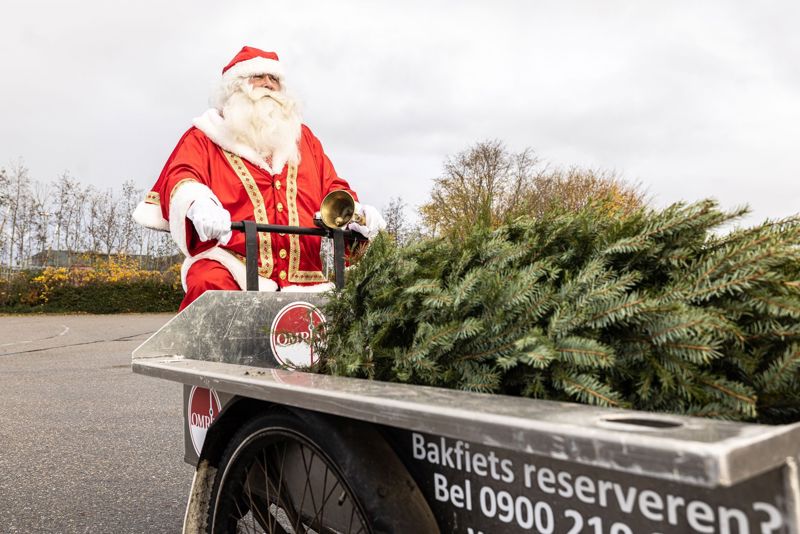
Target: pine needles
{"points": [[653, 311]]}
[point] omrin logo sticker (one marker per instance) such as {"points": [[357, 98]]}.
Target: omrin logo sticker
{"points": [[204, 408], [292, 332]]}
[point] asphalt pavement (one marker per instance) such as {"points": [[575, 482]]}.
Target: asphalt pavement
{"points": [[86, 446]]}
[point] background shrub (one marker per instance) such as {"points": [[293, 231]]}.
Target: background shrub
{"points": [[117, 285]]}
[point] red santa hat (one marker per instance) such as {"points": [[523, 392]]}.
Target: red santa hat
{"points": [[252, 61]]}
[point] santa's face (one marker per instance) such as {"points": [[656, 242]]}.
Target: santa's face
{"points": [[267, 81], [260, 114]]}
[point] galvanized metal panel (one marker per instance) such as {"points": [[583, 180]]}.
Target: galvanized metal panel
{"points": [[222, 342], [224, 326]]}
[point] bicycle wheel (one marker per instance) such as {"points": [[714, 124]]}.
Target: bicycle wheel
{"points": [[287, 473]]}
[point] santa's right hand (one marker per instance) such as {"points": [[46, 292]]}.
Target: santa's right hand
{"points": [[211, 220]]}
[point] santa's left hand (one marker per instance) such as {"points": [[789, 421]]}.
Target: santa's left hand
{"points": [[373, 221]]}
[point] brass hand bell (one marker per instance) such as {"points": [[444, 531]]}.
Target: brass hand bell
{"points": [[338, 208]]}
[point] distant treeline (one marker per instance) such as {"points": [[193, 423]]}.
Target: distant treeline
{"points": [[65, 222]]}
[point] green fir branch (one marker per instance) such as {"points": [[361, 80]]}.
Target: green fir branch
{"points": [[658, 311]]}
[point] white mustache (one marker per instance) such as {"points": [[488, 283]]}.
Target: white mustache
{"points": [[257, 93], [278, 100]]}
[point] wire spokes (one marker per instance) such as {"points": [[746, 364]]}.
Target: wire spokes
{"points": [[286, 485]]}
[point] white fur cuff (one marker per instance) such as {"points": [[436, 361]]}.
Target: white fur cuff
{"points": [[237, 269], [149, 215], [182, 198], [316, 288]]}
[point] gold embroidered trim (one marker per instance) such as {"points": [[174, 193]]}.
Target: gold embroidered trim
{"points": [[180, 183], [152, 198], [295, 274], [259, 211]]}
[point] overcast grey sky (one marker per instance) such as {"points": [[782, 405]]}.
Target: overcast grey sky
{"points": [[692, 99]]}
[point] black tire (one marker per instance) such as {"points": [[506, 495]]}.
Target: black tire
{"points": [[287, 471]]}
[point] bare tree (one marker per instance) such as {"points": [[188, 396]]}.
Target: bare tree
{"points": [[40, 218], [105, 225], [18, 194], [5, 208], [94, 207], [131, 234], [26, 214], [69, 214], [161, 249], [396, 221]]}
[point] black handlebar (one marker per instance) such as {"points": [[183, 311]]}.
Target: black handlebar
{"points": [[251, 229]]}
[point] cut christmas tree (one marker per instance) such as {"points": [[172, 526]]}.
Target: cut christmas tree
{"points": [[660, 311]]}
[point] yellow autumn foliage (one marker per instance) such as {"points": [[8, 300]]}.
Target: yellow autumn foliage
{"points": [[115, 270], [488, 186]]}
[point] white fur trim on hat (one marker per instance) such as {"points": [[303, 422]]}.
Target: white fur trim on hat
{"points": [[253, 67]]}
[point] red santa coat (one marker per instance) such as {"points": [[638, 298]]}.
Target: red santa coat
{"points": [[206, 163]]}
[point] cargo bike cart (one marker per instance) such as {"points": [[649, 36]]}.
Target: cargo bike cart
{"points": [[283, 451]]}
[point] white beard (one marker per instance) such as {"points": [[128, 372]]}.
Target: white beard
{"points": [[266, 121]]}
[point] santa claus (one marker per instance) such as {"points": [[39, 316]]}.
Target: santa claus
{"points": [[249, 157]]}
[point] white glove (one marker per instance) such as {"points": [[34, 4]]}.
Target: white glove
{"points": [[373, 221], [211, 220]]}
